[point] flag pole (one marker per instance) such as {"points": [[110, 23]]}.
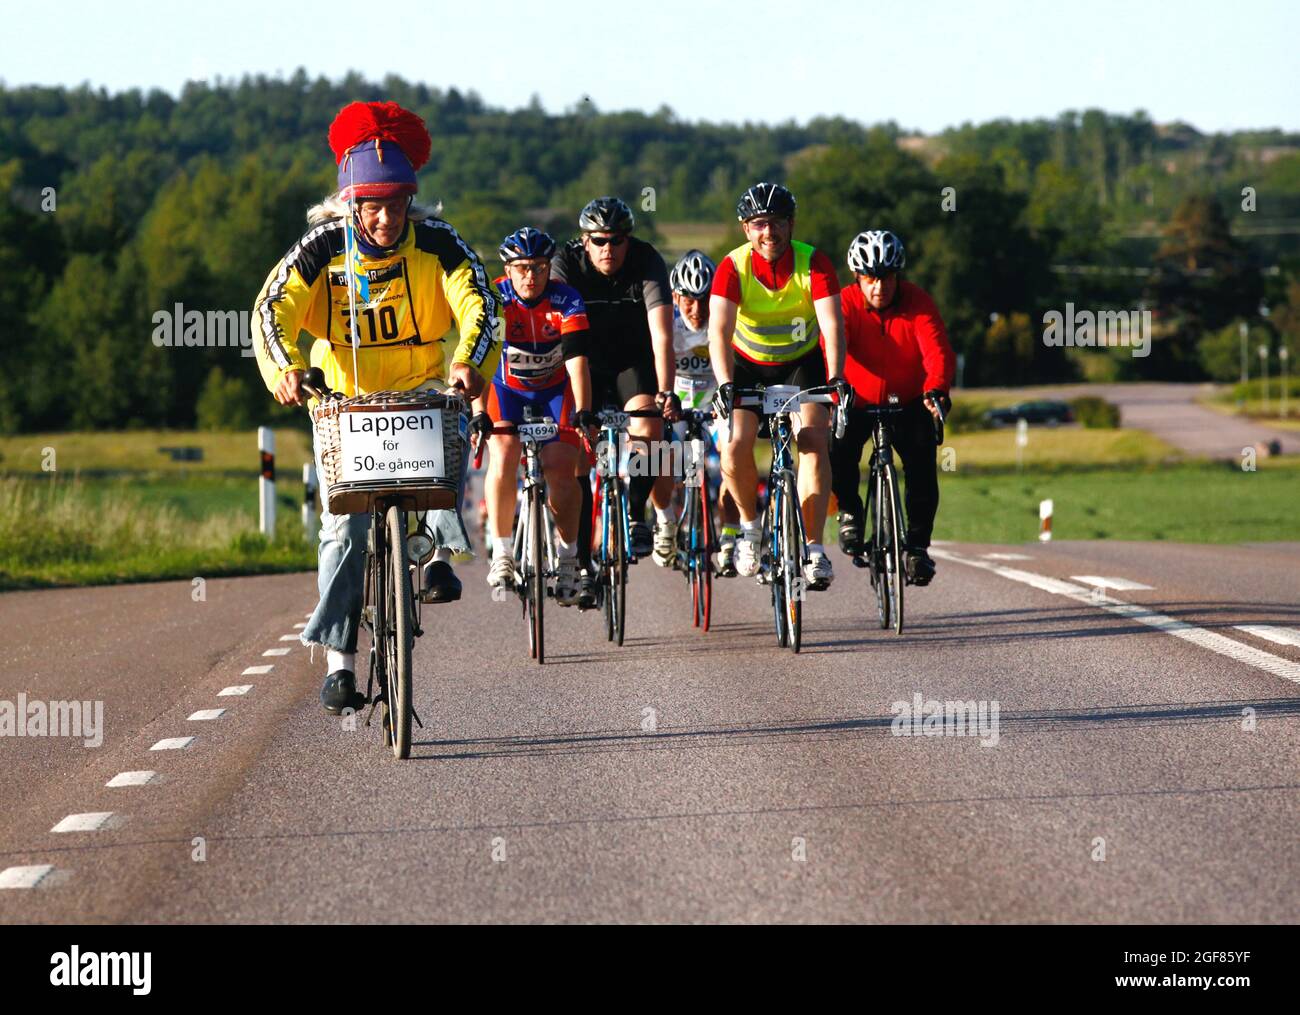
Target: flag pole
{"points": [[350, 256]]}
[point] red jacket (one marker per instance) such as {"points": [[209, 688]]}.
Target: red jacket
{"points": [[902, 350]]}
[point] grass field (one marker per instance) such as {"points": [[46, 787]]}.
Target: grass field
{"points": [[116, 510], [680, 237]]}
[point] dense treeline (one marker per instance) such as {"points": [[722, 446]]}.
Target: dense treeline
{"points": [[116, 207]]}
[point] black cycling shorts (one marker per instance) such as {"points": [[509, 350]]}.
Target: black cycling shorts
{"points": [[610, 389], [808, 371]]}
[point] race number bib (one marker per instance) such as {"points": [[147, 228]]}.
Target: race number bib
{"points": [[525, 364], [387, 319]]}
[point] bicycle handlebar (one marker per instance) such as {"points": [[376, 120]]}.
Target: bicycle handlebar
{"points": [[506, 428]]}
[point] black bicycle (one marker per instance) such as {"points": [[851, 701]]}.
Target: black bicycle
{"points": [[696, 531], [884, 553]]}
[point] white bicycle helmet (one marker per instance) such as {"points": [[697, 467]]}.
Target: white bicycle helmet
{"points": [[693, 275], [875, 252]]}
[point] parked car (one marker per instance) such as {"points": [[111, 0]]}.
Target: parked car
{"points": [[1048, 412]]}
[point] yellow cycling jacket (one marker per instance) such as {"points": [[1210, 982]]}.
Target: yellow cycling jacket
{"points": [[431, 281]]}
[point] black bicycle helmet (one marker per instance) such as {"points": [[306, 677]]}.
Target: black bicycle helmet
{"points": [[765, 199], [606, 215], [526, 242], [693, 274]]}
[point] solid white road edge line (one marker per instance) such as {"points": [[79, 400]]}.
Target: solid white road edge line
{"points": [[1219, 643], [1119, 584], [1277, 635]]}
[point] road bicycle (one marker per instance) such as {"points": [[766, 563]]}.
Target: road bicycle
{"points": [[611, 524], [784, 542], [696, 528], [883, 555], [534, 541]]}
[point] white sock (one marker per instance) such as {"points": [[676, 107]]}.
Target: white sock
{"points": [[501, 546], [340, 660], [443, 553], [748, 529], [565, 550], [663, 515]]}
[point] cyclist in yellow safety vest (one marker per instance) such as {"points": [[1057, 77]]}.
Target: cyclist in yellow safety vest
{"points": [[774, 318]]}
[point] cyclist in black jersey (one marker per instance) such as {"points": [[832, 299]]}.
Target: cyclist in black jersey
{"points": [[624, 283]]}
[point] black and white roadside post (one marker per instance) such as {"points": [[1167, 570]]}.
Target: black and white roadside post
{"points": [[309, 499], [266, 482]]}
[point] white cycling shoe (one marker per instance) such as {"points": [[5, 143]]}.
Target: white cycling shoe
{"points": [[747, 554], [817, 573], [665, 543], [502, 573]]}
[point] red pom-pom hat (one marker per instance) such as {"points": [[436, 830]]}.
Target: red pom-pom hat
{"points": [[378, 147]]}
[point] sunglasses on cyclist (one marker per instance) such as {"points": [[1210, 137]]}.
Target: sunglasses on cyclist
{"points": [[530, 269], [602, 241]]}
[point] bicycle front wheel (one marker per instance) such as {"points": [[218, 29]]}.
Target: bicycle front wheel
{"points": [[876, 549], [399, 623], [776, 564], [899, 576], [618, 590], [792, 567], [535, 587]]}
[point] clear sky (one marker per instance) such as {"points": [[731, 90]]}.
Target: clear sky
{"points": [[928, 65]]}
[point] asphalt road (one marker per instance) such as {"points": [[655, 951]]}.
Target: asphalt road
{"points": [[1170, 411], [1144, 770]]}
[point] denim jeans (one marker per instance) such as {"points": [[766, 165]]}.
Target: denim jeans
{"points": [[342, 564]]}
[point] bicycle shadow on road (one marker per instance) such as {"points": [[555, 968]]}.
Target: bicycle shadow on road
{"points": [[580, 743]]}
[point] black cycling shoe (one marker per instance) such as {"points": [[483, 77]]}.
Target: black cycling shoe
{"points": [[642, 544], [919, 567], [586, 589], [850, 534], [440, 583], [340, 691]]}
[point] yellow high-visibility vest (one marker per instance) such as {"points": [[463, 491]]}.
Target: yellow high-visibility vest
{"points": [[781, 326]]}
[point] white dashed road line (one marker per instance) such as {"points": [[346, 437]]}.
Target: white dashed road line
{"points": [[24, 877], [1277, 635], [288, 637], [207, 714], [1119, 584], [1211, 640], [173, 744], [92, 821], [132, 779], [299, 626], [276, 652], [236, 689], [257, 671]]}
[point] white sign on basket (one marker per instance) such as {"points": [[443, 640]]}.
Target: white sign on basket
{"points": [[391, 444]]}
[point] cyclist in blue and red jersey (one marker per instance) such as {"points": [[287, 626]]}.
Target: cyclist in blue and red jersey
{"points": [[543, 373], [896, 345]]}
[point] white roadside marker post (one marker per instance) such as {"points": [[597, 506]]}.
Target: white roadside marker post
{"points": [[1022, 441], [1045, 519], [266, 482]]}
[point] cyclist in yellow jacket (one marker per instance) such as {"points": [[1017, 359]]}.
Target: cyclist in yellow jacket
{"points": [[774, 318], [428, 320]]}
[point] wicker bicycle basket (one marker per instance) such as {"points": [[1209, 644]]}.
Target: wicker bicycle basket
{"points": [[424, 490]]}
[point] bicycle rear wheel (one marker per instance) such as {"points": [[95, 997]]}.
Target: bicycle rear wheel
{"points": [[792, 565], [399, 627], [535, 582]]}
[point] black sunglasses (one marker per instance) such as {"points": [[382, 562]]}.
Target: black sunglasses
{"points": [[602, 241]]}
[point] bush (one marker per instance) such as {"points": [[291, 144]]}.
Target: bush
{"points": [[225, 403], [965, 416], [1095, 413]]}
